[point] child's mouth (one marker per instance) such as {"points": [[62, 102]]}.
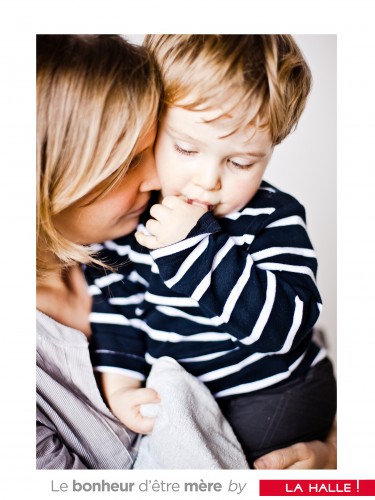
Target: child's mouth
{"points": [[200, 204]]}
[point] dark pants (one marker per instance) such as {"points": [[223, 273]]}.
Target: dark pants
{"points": [[302, 409]]}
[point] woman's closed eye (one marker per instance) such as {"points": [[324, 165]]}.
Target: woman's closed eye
{"points": [[135, 161]]}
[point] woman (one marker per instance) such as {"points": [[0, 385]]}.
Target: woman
{"points": [[97, 108]]}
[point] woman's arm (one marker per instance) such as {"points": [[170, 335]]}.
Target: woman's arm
{"points": [[310, 455], [51, 452]]}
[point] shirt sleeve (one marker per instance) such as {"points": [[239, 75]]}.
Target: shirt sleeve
{"points": [[259, 287], [118, 342], [51, 452]]}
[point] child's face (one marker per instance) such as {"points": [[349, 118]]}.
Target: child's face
{"points": [[206, 164]]}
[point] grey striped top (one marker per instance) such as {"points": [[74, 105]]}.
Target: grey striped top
{"points": [[75, 428]]}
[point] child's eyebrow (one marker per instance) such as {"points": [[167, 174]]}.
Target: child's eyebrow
{"points": [[256, 154], [184, 136], [173, 131]]}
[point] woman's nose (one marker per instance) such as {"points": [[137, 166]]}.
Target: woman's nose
{"points": [[151, 180]]}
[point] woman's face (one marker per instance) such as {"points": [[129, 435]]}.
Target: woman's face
{"points": [[116, 213]]}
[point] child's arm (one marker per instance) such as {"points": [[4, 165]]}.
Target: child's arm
{"points": [[124, 396], [117, 345], [259, 287]]}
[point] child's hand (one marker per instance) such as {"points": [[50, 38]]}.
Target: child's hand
{"points": [[125, 404], [125, 396], [172, 222]]}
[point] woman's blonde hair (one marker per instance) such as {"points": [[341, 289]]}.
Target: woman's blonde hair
{"points": [[264, 79], [96, 95]]}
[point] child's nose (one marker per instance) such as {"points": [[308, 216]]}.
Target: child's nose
{"points": [[208, 179]]}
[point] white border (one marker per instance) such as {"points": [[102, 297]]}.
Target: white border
{"points": [[353, 23]]}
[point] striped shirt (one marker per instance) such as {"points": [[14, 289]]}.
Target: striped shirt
{"points": [[234, 302]]}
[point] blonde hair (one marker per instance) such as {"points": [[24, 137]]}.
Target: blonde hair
{"points": [[95, 96], [264, 78]]}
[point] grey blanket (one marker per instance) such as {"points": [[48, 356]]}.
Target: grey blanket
{"points": [[190, 431]]}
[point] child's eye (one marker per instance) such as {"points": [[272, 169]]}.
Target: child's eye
{"points": [[241, 166], [183, 151]]}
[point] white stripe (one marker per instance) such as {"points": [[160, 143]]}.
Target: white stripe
{"points": [[250, 211], [134, 277], [121, 371], [297, 320], [176, 337], [170, 301], [96, 247], [122, 301], [207, 357], [93, 290], [154, 268], [177, 313], [151, 360], [120, 249], [108, 279], [205, 283], [270, 252], [271, 190], [229, 370], [265, 313], [119, 319], [320, 306], [246, 238], [108, 318], [139, 258], [275, 266], [236, 291], [188, 262], [260, 384], [288, 221], [178, 247]]}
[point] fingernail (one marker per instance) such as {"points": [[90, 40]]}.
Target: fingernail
{"points": [[260, 464]]}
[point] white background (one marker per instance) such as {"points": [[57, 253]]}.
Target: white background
{"points": [[353, 23]]}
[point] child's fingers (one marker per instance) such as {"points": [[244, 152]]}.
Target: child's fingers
{"points": [[146, 396], [172, 202], [153, 226], [143, 425], [149, 242], [159, 211]]}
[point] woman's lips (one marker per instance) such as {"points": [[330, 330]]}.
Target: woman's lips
{"points": [[138, 211]]}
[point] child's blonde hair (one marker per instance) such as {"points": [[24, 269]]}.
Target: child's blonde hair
{"points": [[95, 96], [264, 79]]}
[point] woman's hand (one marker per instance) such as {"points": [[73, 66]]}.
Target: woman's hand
{"points": [[309, 455]]}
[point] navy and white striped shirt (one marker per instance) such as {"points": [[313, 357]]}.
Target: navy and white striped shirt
{"points": [[234, 303]]}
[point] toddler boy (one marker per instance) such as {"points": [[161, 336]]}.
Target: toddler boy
{"points": [[228, 289]]}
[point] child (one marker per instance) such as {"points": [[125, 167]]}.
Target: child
{"points": [[228, 289]]}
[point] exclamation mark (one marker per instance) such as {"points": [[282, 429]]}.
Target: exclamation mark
{"points": [[357, 485]]}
